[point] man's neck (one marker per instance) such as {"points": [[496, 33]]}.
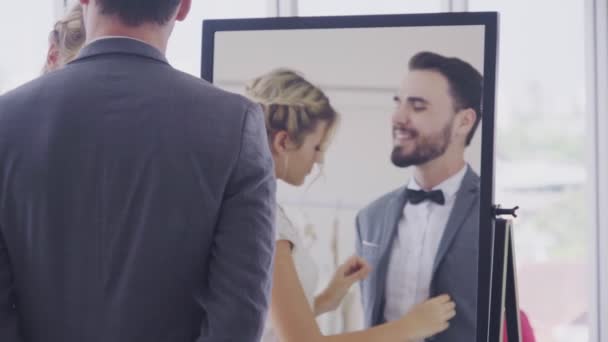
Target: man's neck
{"points": [[435, 172], [151, 34]]}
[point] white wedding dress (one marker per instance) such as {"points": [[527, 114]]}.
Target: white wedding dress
{"points": [[305, 265]]}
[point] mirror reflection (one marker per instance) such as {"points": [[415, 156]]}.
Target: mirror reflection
{"points": [[376, 137]]}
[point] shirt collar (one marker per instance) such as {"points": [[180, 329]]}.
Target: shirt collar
{"points": [[114, 37], [120, 45], [449, 187]]}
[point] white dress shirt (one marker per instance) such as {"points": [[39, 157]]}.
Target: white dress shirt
{"points": [[414, 249]]}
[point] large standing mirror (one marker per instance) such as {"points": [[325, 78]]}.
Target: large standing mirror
{"points": [[407, 173]]}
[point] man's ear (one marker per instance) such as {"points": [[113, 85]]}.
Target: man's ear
{"points": [[466, 120], [183, 10]]}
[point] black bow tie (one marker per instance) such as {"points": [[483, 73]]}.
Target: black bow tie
{"points": [[419, 196]]}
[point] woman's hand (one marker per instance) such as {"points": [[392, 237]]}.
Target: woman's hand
{"points": [[351, 271], [429, 318]]}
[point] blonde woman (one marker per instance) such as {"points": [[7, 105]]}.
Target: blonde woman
{"points": [[299, 122], [65, 40]]}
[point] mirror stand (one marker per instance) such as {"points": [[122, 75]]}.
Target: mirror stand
{"points": [[504, 305]]}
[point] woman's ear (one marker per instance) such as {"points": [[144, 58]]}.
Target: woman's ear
{"points": [[52, 57], [280, 141]]}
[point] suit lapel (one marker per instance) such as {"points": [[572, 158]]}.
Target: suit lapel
{"points": [[465, 199], [392, 215]]}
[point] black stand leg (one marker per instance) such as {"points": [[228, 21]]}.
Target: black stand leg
{"points": [[503, 302], [511, 299], [499, 258]]}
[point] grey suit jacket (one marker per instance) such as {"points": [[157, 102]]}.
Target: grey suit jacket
{"points": [[136, 204], [455, 267]]}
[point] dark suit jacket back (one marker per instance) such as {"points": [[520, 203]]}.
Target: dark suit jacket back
{"points": [[136, 204]]}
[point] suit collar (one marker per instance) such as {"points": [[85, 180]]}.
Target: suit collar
{"points": [[120, 45]]}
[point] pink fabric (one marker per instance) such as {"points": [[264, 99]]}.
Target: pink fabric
{"points": [[527, 333]]}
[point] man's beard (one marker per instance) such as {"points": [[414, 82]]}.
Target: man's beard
{"points": [[426, 148]]}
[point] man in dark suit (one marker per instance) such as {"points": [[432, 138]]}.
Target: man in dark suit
{"points": [[136, 202], [422, 239]]}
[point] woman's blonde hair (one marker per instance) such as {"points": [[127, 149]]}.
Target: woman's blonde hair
{"points": [[292, 104], [68, 35]]}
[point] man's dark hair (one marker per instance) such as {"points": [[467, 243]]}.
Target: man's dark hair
{"points": [[136, 12], [465, 82]]}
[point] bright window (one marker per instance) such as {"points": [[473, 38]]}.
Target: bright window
{"points": [[24, 40], [540, 159], [356, 7], [25, 35], [184, 50]]}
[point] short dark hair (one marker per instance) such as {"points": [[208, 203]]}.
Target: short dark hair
{"points": [[466, 83], [136, 12]]}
